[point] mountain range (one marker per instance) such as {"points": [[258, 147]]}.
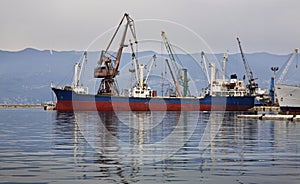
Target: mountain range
{"points": [[26, 75]]}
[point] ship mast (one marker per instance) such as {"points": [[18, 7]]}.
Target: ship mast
{"points": [[224, 60], [77, 72], [204, 66]]}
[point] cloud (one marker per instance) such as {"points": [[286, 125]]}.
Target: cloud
{"points": [[71, 25]]}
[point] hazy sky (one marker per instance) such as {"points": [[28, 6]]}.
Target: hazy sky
{"points": [[262, 25]]}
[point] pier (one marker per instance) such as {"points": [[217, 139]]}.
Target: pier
{"points": [[270, 117], [265, 109], [269, 113]]}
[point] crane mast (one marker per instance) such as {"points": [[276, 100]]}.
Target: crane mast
{"points": [[252, 86], [107, 68], [171, 55]]}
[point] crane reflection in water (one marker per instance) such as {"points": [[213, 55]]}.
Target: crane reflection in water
{"points": [[145, 137], [130, 147]]}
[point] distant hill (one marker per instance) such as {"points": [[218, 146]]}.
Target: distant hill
{"points": [[25, 76]]}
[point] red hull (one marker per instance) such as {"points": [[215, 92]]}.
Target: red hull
{"points": [[67, 100], [121, 106]]}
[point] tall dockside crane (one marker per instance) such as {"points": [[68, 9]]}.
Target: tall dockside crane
{"points": [[287, 66], [252, 86], [107, 68], [182, 80]]}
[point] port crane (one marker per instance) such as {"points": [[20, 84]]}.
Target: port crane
{"points": [[182, 80], [108, 65], [174, 80], [252, 86], [287, 66]]}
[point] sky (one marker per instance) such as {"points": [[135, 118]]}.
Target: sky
{"points": [[262, 25]]}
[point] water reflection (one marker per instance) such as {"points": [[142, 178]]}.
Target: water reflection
{"points": [[144, 137], [255, 151], [169, 147]]}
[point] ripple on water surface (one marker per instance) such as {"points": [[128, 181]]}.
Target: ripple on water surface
{"points": [[39, 146]]}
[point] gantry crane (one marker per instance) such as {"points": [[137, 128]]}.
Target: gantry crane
{"points": [[252, 86], [107, 68]]}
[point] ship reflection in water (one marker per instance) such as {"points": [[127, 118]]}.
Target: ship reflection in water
{"points": [[139, 137], [39, 146], [193, 147]]}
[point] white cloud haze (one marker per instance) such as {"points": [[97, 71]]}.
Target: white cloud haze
{"points": [[263, 25]]}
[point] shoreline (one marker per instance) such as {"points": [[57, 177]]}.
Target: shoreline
{"points": [[16, 106]]}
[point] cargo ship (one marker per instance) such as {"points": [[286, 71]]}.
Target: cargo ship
{"points": [[69, 100], [219, 96]]}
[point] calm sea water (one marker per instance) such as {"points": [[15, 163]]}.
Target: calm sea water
{"points": [[39, 146]]}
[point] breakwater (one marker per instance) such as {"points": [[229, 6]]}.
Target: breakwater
{"points": [[6, 106]]}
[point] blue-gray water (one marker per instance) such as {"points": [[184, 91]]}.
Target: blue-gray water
{"points": [[39, 146]]}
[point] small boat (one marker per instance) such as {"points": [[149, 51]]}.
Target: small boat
{"points": [[48, 106]]}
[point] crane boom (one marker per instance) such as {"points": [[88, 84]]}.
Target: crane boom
{"points": [[247, 69], [289, 62], [181, 80], [174, 80], [252, 86], [129, 24], [171, 55]]}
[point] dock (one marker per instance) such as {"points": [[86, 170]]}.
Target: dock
{"points": [[46, 106], [269, 113], [265, 109], [270, 117]]}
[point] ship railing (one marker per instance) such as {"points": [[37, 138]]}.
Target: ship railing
{"points": [[229, 93], [55, 86], [81, 90]]}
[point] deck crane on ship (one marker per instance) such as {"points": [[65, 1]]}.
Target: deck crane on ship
{"points": [[107, 68], [141, 90], [181, 79]]}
